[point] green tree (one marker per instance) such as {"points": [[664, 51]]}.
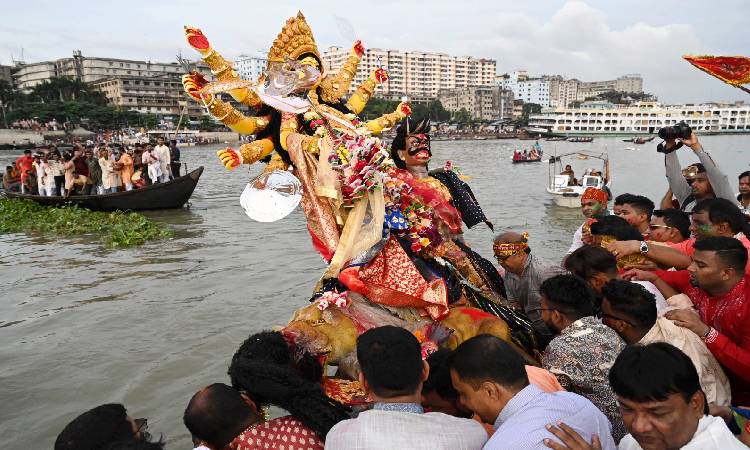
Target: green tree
{"points": [[462, 116], [527, 110], [206, 123], [62, 89]]}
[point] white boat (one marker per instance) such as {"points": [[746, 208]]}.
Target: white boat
{"points": [[566, 192]]}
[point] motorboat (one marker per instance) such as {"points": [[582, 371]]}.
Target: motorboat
{"points": [[565, 189]]}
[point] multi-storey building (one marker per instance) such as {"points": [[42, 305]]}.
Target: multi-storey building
{"points": [[563, 92], [250, 68], [143, 86], [418, 75], [643, 118], [482, 102], [89, 69], [530, 90]]}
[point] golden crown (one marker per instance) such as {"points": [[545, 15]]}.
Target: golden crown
{"points": [[295, 40]]}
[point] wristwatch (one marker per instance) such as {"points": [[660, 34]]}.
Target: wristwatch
{"points": [[643, 248]]}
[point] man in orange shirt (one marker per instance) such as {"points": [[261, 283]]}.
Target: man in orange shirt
{"points": [[25, 166]]}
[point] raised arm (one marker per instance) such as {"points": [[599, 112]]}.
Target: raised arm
{"points": [[680, 188]]}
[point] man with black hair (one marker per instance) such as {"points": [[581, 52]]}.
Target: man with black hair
{"points": [[614, 226], [524, 273], [598, 267], [584, 348], [719, 288], [174, 158], [490, 378], [712, 217], [99, 427], [704, 182], [636, 209], [669, 225], [222, 418], [392, 372], [630, 310], [439, 395], [662, 405], [743, 198]]}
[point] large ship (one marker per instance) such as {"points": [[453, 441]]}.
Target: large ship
{"points": [[642, 118]]}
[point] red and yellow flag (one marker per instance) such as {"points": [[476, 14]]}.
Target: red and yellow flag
{"points": [[734, 70]]}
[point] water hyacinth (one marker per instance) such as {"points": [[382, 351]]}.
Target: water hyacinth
{"points": [[115, 229]]}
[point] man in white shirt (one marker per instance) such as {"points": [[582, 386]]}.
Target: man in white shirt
{"points": [[392, 372], [662, 405], [630, 310], [597, 267], [162, 152]]}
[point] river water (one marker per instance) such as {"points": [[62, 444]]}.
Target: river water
{"points": [[82, 325]]}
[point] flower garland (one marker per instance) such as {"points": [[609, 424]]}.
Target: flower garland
{"points": [[358, 160]]}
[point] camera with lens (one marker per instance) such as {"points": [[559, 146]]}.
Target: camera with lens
{"points": [[680, 130]]}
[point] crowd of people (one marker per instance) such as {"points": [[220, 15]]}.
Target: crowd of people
{"points": [[92, 169], [35, 125], [642, 343], [534, 154]]}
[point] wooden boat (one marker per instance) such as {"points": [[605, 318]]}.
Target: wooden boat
{"points": [[641, 140], [581, 139], [519, 161], [170, 195]]}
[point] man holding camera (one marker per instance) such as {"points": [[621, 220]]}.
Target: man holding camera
{"points": [[706, 181]]}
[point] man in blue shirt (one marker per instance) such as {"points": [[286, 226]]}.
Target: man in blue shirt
{"points": [[491, 380]]}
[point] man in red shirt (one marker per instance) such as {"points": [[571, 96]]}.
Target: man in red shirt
{"points": [[25, 167], [720, 291], [711, 217]]}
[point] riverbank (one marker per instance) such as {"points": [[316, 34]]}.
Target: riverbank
{"points": [[26, 138]]}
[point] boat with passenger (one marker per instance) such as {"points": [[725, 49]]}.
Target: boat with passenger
{"points": [[563, 185]]}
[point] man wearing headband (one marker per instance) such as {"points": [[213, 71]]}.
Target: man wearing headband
{"points": [[699, 181], [593, 203], [524, 273]]}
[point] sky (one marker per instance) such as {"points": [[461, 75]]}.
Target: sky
{"points": [[589, 40]]}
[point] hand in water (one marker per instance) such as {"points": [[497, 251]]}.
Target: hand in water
{"points": [[229, 157]]}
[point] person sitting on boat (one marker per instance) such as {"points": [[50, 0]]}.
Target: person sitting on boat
{"points": [[11, 180], [533, 154], [516, 155], [525, 155], [706, 181], [571, 175]]}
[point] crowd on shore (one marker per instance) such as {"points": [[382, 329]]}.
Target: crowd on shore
{"points": [[36, 125], [644, 343], [92, 169]]}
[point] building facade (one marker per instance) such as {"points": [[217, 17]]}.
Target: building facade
{"points": [[488, 103], [525, 88], [250, 68], [415, 74], [563, 92], [89, 69], [643, 118]]}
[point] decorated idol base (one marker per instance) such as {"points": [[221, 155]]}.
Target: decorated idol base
{"points": [[271, 196]]}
